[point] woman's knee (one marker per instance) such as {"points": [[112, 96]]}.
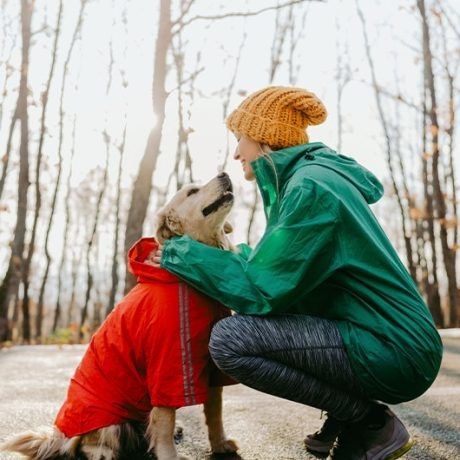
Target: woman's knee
{"points": [[226, 345]]}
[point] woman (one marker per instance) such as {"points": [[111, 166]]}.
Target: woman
{"points": [[328, 314]]}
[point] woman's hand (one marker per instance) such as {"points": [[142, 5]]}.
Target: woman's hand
{"points": [[154, 257]]}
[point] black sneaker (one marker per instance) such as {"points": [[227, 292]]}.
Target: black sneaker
{"points": [[387, 440], [321, 441]]}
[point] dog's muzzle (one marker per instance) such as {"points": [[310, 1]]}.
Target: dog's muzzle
{"points": [[226, 197]]}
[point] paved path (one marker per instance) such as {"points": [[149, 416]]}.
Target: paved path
{"points": [[33, 381]]}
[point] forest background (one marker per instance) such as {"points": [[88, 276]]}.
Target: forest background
{"points": [[108, 106]]}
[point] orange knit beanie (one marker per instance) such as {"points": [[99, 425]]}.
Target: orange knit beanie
{"points": [[277, 116]]}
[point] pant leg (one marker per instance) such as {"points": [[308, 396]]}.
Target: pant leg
{"points": [[296, 357]]}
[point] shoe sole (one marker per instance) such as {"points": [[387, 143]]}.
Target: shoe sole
{"points": [[318, 453], [319, 450], [317, 447], [401, 451]]}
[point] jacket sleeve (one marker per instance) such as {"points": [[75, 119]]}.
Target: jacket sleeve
{"points": [[292, 258], [244, 250]]}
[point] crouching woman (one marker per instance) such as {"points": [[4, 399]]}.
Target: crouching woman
{"points": [[328, 314]]}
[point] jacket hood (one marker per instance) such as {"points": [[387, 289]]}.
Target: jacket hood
{"points": [[144, 272], [285, 162]]}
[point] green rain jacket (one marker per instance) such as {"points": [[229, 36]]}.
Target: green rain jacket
{"points": [[324, 254]]}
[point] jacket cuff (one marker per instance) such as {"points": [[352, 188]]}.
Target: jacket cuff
{"points": [[170, 255]]}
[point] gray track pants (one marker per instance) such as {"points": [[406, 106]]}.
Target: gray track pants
{"points": [[296, 357]]}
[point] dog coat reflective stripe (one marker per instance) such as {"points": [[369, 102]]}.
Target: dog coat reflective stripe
{"points": [[152, 350]]}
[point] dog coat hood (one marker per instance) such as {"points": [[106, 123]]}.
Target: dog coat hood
{"points": [[324, 254], [152, 350]]}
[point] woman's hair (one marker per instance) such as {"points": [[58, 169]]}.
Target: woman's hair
{"points": [[266, 148]]}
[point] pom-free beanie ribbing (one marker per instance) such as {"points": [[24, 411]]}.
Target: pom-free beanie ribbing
{"points": [[277, 116]]}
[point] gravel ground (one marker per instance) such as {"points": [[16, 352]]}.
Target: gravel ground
{"points": [[34, 381]]}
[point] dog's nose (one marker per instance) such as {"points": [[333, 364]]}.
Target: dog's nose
{"points": [[225, 181]]}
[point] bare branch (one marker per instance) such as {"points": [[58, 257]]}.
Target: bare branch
{"points": [[343, 77], [395, 97], [44, 28], [190, 78], [184, 12], [229, 93], [295, 40], [279, 37], [449, 20], [181, 25]]}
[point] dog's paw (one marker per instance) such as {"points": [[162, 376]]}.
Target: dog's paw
{"points": [[225, 446]]}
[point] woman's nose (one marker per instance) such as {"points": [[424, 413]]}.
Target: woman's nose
{"points": [[236, 155]]}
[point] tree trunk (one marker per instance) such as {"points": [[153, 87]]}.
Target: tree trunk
{"points": [[6, 158], [183, 166], [8, 73], [431, 286], [90, 278], [75, 264], [115, 277], [121, 149], [451, 181], [10, 283], [62, 264], [9, 31], [440, 204], [39, 317], [38, 201], [399, 200], [143, 183]]}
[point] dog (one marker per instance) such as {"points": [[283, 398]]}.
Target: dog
{"points": [[118, 404]]}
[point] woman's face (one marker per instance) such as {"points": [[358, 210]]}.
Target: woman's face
{"points": [[246, 151]]}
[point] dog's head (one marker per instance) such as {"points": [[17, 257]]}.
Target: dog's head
{"points": [[199, 212]]}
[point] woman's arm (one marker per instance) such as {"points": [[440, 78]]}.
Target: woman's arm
{"points": [[292, 258], [244, 250]]}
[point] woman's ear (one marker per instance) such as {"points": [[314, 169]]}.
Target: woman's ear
{"points": [[228, 227], [169, 225]]}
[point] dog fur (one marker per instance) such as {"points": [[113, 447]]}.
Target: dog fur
{"points": [[200, 212]]}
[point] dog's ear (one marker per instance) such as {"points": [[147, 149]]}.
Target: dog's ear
{"points": [[169, 225], [228, 227]]}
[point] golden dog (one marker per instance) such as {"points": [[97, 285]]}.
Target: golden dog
{"points": [[199, 212]]}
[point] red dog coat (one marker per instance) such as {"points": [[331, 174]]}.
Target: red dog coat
{"points": [[152, 350]]}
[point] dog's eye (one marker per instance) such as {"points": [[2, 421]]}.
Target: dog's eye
{"points": [[192, 191]]}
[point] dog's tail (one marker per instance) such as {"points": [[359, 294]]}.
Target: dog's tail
{"points": [[41, 445]]}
